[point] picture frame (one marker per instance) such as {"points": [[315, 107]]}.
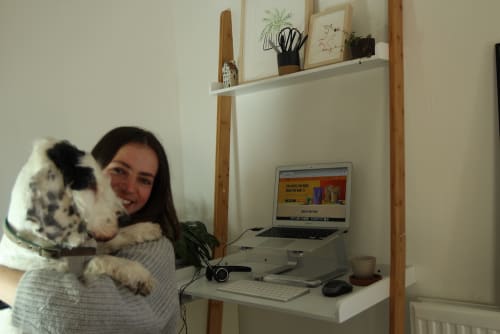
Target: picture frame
{"points": [[262, 20], [328, 31]]}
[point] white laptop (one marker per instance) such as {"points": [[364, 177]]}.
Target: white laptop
{"points": [[311, 207]]}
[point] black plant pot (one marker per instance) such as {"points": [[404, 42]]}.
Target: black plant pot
{"points": [[363, 47]]}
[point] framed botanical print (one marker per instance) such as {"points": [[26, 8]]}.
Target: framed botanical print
{"points": [[261, 22]]}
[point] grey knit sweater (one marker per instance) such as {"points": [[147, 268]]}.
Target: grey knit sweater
{"points": [[53, 302]]}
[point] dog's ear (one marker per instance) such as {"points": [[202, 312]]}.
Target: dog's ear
{"points": [[52, 208], [67, 159]]}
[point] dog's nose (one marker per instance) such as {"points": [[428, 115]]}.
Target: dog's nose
{"points": [[123, 219], [102, 237]]}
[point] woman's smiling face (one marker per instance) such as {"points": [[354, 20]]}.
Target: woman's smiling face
{"points": [[132, 171]]}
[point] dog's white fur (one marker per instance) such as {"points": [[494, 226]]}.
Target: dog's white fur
{"points": [[75, 217]]}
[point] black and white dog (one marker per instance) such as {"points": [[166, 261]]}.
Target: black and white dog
{"points": [[61, 204]]}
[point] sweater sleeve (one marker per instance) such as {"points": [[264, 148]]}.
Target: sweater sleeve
{"points": [[54, 302]]}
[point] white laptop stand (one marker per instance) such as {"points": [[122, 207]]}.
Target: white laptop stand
{"points": [[310, 268]]}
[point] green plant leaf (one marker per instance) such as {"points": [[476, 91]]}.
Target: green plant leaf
{"points": [[195, 245]]}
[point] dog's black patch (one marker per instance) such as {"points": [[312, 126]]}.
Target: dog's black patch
{"points": [[67, 158], [53, 235], [45, 219], [31, 214], [33, 186], [53, 207], [51, 196], [50, 220], [3, 305], [66, 236], [81, 228], [71, 210]]}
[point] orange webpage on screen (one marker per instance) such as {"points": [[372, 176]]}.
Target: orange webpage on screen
{"points": [[312, 198]]}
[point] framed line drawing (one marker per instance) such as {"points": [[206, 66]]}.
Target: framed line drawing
{"points": [[328, 31], [261, 21]]}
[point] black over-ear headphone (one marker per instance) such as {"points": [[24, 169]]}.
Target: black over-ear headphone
{"points": [[221, 273]]}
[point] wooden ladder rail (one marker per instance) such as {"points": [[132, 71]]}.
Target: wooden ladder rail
{"points": [[222, 156], [397, 298]]}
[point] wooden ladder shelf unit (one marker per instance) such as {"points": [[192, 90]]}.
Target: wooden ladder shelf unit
{"points": [[397, 166]]}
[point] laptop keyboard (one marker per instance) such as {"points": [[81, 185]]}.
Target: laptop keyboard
{"points": [[297, 233]]}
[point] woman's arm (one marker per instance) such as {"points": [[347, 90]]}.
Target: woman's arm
{"points": [[49, 301], [9, 279]]}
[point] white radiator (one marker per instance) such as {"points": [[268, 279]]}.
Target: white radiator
{"points": [[445, 317]]}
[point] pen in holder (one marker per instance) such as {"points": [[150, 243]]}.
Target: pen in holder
{"points": [[289, 40], [288, 62]]}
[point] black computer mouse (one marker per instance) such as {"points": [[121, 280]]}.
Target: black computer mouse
{"points": [[336, 288]]}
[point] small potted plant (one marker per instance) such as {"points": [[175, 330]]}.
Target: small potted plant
{"points": [[361, 46], [195, 246]]}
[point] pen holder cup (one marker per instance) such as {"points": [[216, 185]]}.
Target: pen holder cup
{"points": [[288, 62]]}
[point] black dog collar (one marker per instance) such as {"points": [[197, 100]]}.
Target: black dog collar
{"points": [[48, 252]]}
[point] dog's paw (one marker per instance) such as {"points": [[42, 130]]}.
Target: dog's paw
{"points": [[129, 273], [142, 232], [139, 280], [131, 235]]}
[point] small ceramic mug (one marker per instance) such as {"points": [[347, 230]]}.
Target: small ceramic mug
{"points": [[363, 266]]}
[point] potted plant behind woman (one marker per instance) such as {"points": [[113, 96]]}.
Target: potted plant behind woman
{"points": [[195, 245], [361, 46]]}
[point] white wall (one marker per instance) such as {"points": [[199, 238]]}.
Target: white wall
{"points": [[74, 69], [452, 148]]}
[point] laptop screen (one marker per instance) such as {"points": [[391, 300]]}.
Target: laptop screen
{"points": [[313, 196]]}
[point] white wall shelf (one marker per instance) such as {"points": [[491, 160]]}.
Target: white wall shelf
{"points": [[381, 58], [312, 305]]}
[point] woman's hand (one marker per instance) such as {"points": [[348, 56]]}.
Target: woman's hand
{"points": [[9, 279]]}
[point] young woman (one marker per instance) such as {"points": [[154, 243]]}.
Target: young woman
{"points": [[46, 301]]}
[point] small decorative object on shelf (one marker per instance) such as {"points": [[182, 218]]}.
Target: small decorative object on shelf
{"points": [[363, 270], [229, 74], [361, 46], [289, 40]]}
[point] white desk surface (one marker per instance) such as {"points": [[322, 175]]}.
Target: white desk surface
{"points": [[312, 305]]}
